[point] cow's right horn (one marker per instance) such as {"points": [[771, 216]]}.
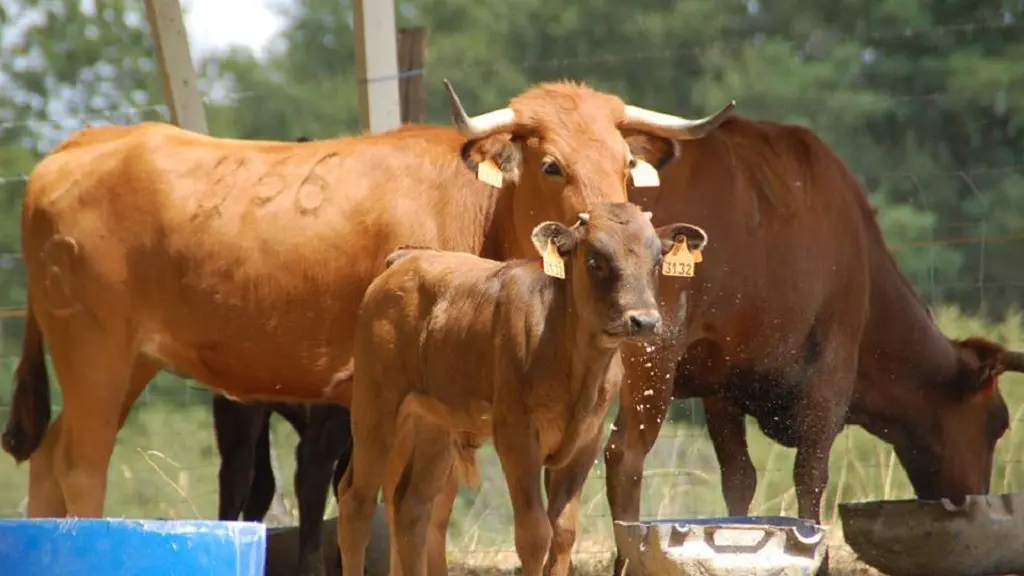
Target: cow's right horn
{"points": [[472, 127], [670, 126]]}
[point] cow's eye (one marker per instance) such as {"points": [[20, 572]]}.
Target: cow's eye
{"points": [[551, 168], [598, 264]]}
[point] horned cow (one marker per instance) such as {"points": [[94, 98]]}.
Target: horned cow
{"points": [[242, 263]]}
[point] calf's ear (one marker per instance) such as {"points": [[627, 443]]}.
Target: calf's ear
{"points": [[695, 237], [559, 235]]}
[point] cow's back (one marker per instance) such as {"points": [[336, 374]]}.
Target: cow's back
{"points": [[427, 323], [789, 245], [244, 261]]}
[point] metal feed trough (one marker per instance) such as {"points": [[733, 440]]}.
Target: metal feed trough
{"points": [[983, 537], [729, 546]]}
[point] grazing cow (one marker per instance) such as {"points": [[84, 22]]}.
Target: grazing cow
{"points": [[534, 346], [242, 263], [801, 319]]}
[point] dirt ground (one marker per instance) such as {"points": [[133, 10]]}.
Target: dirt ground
{"points": [[842, 560]]}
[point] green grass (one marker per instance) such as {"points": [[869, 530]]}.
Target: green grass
{"points": [[165, 465]]}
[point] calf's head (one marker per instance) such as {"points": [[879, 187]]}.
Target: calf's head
{"points": [[947, 447], [560, 148], [611, 260]]}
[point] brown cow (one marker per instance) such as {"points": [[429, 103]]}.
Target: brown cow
{"points": [[242, 263], [801, 319], [449, 343]]}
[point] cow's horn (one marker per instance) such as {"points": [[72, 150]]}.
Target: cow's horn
{"points": [[472, 127], [670, 126], [1012, 361], [584, 217]]}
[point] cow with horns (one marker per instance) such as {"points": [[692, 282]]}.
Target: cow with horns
{"points": [[242, 263]]}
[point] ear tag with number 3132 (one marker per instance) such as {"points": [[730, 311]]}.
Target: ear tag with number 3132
{"points": [[680, 261]]}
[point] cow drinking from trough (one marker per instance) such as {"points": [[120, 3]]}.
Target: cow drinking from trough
{"points": [[450, 344], [242, 263], [801, 319]]}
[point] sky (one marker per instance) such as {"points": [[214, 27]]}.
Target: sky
{"points": [[215, 24]]}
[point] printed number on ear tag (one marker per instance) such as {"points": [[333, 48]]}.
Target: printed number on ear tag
{"points": [[553, 264], [489, 173], [644, 175], [679, 262]]}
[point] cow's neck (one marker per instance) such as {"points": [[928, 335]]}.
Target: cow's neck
{"points": [[903, 355], [587, 362]]}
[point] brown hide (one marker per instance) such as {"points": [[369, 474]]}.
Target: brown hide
{"points": [[800, 318], [450, 347]]}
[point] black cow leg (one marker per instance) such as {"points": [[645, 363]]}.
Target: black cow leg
{"points": [[236, 428]]}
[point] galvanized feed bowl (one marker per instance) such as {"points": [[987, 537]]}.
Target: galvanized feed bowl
{"points": [[984, 536], [729, 546]]}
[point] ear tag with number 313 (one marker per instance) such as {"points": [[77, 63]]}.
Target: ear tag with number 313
{"points": [[553, 264], [680, 261]]}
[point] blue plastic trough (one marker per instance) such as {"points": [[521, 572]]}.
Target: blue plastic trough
{"points": [[115, 547]]}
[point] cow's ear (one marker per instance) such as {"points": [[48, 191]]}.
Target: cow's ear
{"points": [[695, 237], [981, 361], [561, 236], [501, 154], [656, 151]]}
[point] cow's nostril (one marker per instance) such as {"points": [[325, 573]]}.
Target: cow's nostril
{"points": [[643, 322]]}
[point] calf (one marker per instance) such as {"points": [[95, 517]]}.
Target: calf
{"points": [[451, 349]]}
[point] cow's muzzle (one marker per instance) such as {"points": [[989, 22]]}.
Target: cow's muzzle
{"points": [[643, 322]]}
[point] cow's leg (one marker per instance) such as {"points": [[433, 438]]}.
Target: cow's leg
{"points": [[727, 427], [643, 405], [327, 434], [237, 427], [261, 491], [425, 476], [357, 491], [45, 498], [821, 416], [100, 381], [440, 515], [564, 487], [521, 462]]}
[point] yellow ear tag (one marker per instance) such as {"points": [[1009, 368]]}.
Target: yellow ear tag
{"points": [[679, 261], [644, 175], [698, 256], [489, 173], [553, 264]]}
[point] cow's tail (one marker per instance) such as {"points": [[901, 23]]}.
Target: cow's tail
{"points": [[432, 410], [30, 406]]}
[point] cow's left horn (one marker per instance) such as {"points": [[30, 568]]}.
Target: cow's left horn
{"points": [[472, 127], [1012, 361], [670, 126]]}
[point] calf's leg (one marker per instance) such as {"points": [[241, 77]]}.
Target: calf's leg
{"points": [[521, 462], [728, 430], [441, 513], [372, 438], [237, 427], [564, 487], [426, 473]]}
